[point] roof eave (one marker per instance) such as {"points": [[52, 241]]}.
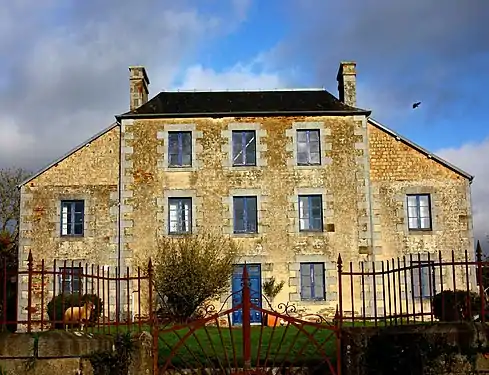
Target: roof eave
{"points": [[72, 151], [422, 150], [357, 112]]}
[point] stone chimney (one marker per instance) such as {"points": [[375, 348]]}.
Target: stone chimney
{"points": [[138, 86], [347, 83]]}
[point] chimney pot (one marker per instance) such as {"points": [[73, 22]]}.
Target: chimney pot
{"points": [[347, 82], [138, 86]]}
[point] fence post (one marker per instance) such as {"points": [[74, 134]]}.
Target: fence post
{"points": [[340, 289], [482, 294], [152, 319], [246, 302], [29, 291]]}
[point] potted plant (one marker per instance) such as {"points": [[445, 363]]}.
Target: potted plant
{"points": [[271, 289]]}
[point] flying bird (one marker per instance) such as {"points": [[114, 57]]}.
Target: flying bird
{"points": [[416, 105]]}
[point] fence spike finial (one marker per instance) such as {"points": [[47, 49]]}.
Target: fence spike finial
{"points": [[30, 258], [478, 251], [340, 263]]}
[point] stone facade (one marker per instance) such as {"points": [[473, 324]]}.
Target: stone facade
{"points": [[363, 178]]}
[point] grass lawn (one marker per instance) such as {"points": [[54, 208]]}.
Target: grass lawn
{"points": [[210, 346]]}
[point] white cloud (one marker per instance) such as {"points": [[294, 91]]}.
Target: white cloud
{"points": [[66, 76], [238, 77], [472, 157]]}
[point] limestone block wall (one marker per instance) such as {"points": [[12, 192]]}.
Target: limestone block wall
{"points": [[90, 174], [276, 181], [363, 179]]}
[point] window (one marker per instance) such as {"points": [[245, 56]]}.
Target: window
{"points": [[245, 215], [244, 148], [419, 217], [72, 215], [179, 149], [70, 280], [312, 281], [310, 213], [423, 282], [308, 149], [180, 215]]}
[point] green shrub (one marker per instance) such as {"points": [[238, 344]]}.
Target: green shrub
{"points": [[450, 306], [63, 301]]}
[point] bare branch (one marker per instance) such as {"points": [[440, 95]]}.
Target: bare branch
{"points": [[10, 178]]}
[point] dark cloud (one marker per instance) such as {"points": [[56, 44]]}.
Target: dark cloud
{"points": [[66, 76], [428, 50]]}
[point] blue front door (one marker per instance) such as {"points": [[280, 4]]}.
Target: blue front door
{"points": [[254, 271]]}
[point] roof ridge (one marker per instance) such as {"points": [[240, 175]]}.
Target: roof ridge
{"points": [[277, 89]]}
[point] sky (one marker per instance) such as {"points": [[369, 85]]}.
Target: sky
{"points": [[64, 66]]}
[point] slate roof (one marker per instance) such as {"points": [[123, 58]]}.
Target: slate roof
{"points": [[243, 103]]}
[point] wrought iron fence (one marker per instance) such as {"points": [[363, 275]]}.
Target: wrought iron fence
{"points": [[45, 296], [413, 289]]}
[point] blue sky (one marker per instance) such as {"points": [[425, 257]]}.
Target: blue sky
{"points": [[65, 74]]}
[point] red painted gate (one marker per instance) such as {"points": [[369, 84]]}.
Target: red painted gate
{"points": [[282, 344]]}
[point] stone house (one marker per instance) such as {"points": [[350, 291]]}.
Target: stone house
{"points": [[296, 176]]}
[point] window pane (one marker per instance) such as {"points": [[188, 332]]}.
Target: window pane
{"points": [[187, 159], [238, 154], [186, 148], [79, 206], [412, 212], [412, 201], [173, 143], [316, 201], [186, 215], [316, 224], [173, 216], [301, 136], [423, 201], [303, 224], [302, 158], [238, 204], [239, 224], [306, 282], [250, 148], [318, 288], [413, 223], [314, 135], [315, 158], [78, 228], [251, 214], [425, 223], [424, 211], [302, 148], [314, 147], [238, 216], [303, 207], [78, 218], [173, 160], [187, 140], [64, 219]]}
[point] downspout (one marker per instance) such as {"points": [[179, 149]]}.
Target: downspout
{"points": [[370, 204], [119, 224]]}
